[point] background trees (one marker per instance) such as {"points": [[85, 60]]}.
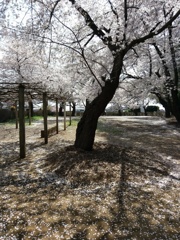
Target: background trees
{"points": [[153, 72], [168, 56]]}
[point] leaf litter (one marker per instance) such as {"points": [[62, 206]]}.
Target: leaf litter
{"points": [[121, 190]]}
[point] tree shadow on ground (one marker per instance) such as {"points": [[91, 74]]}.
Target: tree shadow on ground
{"points": [[161, 137], [8, 153], [138, 188], [141, 212], [113, 192]]}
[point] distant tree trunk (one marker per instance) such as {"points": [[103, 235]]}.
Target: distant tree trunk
{"points": [[119, 112], [61, 110], [145, 112], [136, 111], [166, 104], [73, 109], [31, 108], [167, 112]]}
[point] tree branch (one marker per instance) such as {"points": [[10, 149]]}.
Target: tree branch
{"points": [[113, 10], [153, 33], [173, 56], [166, 70], [97, 31], [89, 40], [53, 9]]}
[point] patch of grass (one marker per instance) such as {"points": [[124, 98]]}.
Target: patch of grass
{"points": [[103, 126], [33, 119], [10, 122], [74, 122], [36, 118], [106, 126]]}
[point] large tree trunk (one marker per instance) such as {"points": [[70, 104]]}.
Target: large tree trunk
{"points": [[167, 107], [175, 105], [167, 112], [86, 128], [166, 104]]}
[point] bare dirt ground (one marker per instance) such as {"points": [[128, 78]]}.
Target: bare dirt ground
{"points": [[126, 188]]}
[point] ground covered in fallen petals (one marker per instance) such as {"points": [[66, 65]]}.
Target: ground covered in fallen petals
{"points": [[126, 188]]}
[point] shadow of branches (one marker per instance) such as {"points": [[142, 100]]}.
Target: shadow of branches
{"points": [[114, 192]]}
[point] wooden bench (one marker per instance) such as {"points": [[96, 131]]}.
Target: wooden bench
{"points": [[50, 131]]}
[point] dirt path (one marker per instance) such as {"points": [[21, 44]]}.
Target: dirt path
{"points": [[127, 188], [153, 134]]}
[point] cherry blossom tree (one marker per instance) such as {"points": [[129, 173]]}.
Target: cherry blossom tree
{"points": [[99, 36], [117, 38], [24, 62], [169, 62], [154, 70]]}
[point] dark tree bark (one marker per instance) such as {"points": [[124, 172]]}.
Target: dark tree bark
{"points": [[174, 91], [31, 108], [172, 103], [166, 104], [167, 113], [87, 103], [86, 129], [73, 109], [119, 112], [145, 111], [61, 110], [175, 105]]}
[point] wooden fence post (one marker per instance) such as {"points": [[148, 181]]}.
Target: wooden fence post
{"points": [[16, 114], [70, 114], [29, 113], [64, 116], [21, 122], [45, 117], [57, 115]]}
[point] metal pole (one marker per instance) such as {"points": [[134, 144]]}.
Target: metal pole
{"points": [[45, 117], [21, 122]]}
